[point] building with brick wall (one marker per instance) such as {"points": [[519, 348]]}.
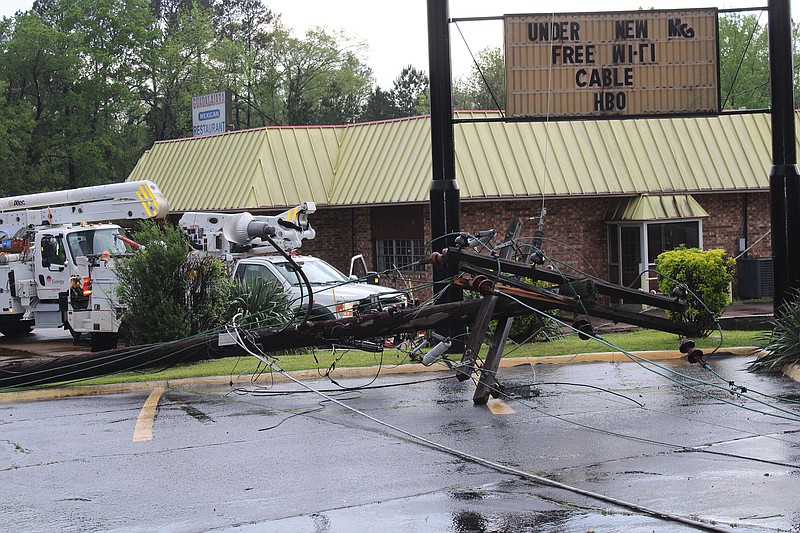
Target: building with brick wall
{"points": [[616, 192]]}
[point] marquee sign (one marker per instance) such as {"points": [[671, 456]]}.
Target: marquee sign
{"points": [[612, 64]]}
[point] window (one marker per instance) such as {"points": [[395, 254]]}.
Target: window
{"points": [[627, 262], [399, 237], [94, 242], [53, 252], [249, 273], [668, 236], [317, 271], [401, 254]]}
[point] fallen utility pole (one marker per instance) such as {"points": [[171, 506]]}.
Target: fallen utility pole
{"points": [[347, 331], [498, 279], [29, 372]]}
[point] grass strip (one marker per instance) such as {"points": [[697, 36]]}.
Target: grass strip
{"points": [[635, 341]]}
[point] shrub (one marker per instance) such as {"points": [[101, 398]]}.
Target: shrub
{"points": [[170, 294], [259, 303], [534, 328], [782, 346], [707, 276]]}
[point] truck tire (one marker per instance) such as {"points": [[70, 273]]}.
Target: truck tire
{"points": [[101, 342], [14, 326]]}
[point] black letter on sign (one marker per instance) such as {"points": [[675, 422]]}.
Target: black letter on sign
{"points": [[678, 29]]}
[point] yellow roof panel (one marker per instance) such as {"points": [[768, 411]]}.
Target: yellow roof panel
{"points": [[390, 161], [648, 207], [384, 162], [266, 167], [729, 152]]}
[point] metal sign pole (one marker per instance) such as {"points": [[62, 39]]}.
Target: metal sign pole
{"points": [[784, 179], [445, 198]]}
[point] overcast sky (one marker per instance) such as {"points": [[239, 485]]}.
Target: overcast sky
{"points": [[396, 32]]}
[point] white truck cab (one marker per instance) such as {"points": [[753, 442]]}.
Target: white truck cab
{"points": [[56, 257], [335, 295]]}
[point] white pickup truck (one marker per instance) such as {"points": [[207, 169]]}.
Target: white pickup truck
{"points": [[247, 239], [335, 295]]}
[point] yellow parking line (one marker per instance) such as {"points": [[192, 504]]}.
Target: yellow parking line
{"points": [[499, 407], [144, 424]]}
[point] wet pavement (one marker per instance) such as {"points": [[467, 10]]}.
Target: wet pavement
{"points": [[44, 344], [675, 438]]}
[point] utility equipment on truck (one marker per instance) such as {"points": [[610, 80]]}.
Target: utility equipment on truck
{"points": [[56, 257], [241, 238]]}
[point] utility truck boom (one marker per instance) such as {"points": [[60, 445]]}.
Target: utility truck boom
{"points": [[56, 257], [230, 236]]}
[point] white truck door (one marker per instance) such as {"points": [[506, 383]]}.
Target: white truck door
{"points": [[51, 267]]}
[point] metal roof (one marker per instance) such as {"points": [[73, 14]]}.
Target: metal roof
{"points": [[247, 169], [389, 162], [384, 163], [647, 207]]}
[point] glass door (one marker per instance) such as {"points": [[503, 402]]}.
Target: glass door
{"points": [[630, 240]]}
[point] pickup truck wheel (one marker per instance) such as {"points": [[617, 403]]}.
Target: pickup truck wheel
{"points": [[15, 326]]}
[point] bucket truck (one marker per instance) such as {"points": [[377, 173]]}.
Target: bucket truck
{"points": [[56, 257]]}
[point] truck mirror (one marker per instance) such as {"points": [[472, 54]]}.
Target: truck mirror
{"points": [[373, 278]]}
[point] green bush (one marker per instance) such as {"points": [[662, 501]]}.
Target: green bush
{"points": [[782, 346], [259, 303], [534, 328], [707, 276], [170, 294]]}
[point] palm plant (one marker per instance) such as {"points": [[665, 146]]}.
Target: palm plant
{"points": [[782, 346], [259, 303]]}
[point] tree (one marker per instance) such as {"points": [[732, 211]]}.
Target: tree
{"points": [[703, 276], [409, 92], [318, 79], [484, 88], [103, 112], [39, 68], [87, 85], [244, 33], [744, 62], [67, 68], [177, 68], [17, 114], [345, 93], [379, 106], [189, 294]]}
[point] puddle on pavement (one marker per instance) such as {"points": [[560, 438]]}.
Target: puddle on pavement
{"points": [[467, 510]]}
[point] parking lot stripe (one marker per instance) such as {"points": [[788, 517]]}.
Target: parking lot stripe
{"points": [[499, 407], [144, 424]]}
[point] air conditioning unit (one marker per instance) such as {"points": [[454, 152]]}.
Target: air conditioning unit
{"points": [[755, 277]]}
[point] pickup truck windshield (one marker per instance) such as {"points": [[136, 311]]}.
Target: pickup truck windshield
{"points": [[318, 273]]}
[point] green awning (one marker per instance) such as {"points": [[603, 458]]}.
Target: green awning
{"points": [[654, 207]]}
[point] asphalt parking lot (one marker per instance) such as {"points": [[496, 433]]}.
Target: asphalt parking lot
{"points": [[209, 457]]}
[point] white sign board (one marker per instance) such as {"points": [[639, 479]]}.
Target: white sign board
{"points": [[630, 63], [211, 113]]}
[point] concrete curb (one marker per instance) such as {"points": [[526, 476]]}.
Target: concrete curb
{"points": [[793, 371], [355, 372]]}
